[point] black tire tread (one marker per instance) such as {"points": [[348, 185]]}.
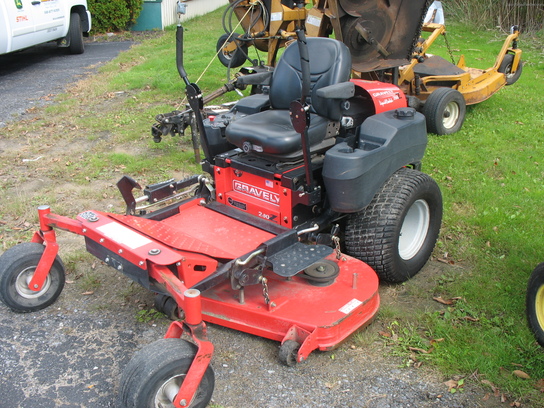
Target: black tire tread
{"points": [[148, 361], [370, 234], [536, 281], [433, 110], [26, 254]]}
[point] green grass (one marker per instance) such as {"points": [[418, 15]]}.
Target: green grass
{"points": [[491, 174]]}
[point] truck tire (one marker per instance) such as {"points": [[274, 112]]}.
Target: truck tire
{"points": [[396, 233], [75, 35], [506, 69], [444, 111], [535, 303]]}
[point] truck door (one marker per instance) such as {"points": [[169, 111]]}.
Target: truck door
{"points": [[20, 25], [33, 22], [49, 19]]}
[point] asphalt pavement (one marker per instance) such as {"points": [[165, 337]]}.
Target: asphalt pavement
{"points": [[33, 76]]}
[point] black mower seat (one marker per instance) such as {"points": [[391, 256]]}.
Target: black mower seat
{"points": [[270, 132], [437, 66]]}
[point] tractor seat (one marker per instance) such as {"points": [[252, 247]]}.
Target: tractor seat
{"points": [[270, 133]]}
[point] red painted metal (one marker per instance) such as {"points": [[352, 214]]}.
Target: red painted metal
{"points": [[193, 378], [385, 97]]}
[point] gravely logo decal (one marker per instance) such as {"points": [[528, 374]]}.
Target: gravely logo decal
{"points": [[256, 192]]}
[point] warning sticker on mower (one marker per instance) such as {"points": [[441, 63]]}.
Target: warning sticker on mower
{"points": [[350, 306], [123, 235]]}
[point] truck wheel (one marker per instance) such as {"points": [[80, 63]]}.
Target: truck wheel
{"points": [[396, 233], [154, 376], [506, 69], [75, 35], [17, 267], [535, 303], [444, 111], [235, 58]]}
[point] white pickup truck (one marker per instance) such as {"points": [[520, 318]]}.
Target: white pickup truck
{"points": [[24, 23]]}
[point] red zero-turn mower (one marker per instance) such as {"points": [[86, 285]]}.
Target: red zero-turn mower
{"points": [[313, 193]]}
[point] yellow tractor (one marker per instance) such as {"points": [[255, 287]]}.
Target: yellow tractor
{"points": [[375, 33]]}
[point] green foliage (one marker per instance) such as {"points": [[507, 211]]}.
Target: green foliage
{"points": [[114, 15]]}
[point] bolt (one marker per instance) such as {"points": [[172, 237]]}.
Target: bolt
{"points": [[120, 268], [84, 230], [101, 240], [183, 402], [141, 263], [35, 286], [120, 251], [154, 251]]}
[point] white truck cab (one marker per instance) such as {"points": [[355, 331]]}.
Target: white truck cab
{"points": [[24, 23]]}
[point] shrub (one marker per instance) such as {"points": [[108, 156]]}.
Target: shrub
{"points": [[114, 15]]}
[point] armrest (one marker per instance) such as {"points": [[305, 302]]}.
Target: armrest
{"points": [[343, 90], [260, 78]]}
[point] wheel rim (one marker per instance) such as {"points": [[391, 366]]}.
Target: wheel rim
{"points": [[539, 307], [414, 229], [451, 115], [23, 280], [166, 394], [508, 71]]}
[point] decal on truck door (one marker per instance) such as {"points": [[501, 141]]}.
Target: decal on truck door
{"points": [[19, 4]]}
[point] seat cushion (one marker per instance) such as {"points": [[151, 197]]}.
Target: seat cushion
{"points": [[271, 132]]}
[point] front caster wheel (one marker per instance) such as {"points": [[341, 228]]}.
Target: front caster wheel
{"points": [[535, 303], [153, 377], [17, 267], [396, 233]]}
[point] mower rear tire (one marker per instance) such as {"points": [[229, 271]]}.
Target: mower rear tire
{"points": [[506, 69], [154, 376], [535, 303], [233, 59], [17, 267], [396, 233], [444, 111]]}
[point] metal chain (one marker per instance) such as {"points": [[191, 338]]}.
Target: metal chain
{"points": [[336, 240], [264, 281], [449, 48]]}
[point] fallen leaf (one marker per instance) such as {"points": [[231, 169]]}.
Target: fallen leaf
{"points": [[451, 384], [521, 374], [384, 334], [443, 301], [420, 350]]}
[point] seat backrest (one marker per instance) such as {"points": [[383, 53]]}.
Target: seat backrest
{"points": [[330, 63]]}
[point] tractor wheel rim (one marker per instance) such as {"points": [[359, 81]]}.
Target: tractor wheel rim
{"points": [[451, 115], [23, 280], [414, 229], [168, 391], [509, 74], [539, 307]]}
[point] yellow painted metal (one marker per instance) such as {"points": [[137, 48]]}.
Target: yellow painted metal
{"points": [[476, 85]]}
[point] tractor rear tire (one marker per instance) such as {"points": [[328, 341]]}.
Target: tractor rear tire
{"points": [[444, 111], [396, 233], [154, 376], [535, 303], [235, 58], [17, 267], [506, 69]]}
